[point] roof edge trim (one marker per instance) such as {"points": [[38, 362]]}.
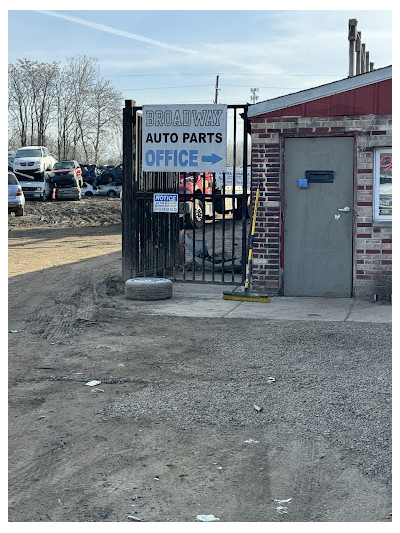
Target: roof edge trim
{"points": [[323, 91]]}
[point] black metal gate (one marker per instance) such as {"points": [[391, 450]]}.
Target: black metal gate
{"points": [[207, 240]]}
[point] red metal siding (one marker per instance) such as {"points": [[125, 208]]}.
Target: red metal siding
{"points": [[375, 99]]}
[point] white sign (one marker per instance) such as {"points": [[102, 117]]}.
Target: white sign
{"points": [[186, 138], [165, 202], [219, 178]]}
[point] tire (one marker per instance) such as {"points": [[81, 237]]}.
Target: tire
{"points": [[195, 217], [89, 193], [148, 289], [112, 194], [19, 212]]}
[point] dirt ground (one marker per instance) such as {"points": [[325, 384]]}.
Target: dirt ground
{"points": [[170, 432]]}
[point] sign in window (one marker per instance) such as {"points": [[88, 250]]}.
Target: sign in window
{"points": [[383, 184]]}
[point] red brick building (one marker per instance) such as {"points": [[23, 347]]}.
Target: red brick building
{"points": [[323, 159]]}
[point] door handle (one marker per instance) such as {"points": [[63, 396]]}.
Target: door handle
{"points": [[345, 209]]}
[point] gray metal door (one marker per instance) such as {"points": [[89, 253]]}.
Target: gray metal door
{"points": [[318, 216]]}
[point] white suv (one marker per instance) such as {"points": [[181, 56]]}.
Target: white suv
{"points": [[33, 159]]}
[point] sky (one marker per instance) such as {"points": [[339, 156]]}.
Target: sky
{"points": [[174, 56]]}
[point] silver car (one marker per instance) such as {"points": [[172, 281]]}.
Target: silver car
{"points": [[68, 193], [112, 190], [16, 198]]}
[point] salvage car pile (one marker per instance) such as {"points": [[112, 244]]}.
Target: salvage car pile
{"points": [[40, 176]]}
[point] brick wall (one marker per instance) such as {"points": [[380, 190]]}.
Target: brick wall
{"points": [[372, 240]]}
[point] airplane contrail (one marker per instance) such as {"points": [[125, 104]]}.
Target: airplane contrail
{"points": [[141, 38], [121, 33]]}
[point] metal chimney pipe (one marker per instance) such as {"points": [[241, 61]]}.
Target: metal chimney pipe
{"points": [[352, 41], [367, 61], [358, 53], [363, 59]]}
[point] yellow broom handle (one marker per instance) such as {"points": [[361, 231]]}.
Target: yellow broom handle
{"points": [[253, 228]]}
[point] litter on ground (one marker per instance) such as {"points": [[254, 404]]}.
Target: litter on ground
{"points": [[93, 383], [206, 518], [134, 518], [282, 509]]}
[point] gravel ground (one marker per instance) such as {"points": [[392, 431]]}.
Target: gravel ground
{"points": [[171, 432], [92, 211], [331, 381]]}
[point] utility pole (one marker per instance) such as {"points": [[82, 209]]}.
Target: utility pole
{"points": [[216, 90], [254, 96]]}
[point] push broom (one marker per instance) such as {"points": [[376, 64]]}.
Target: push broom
{"points": [[244, 294]]}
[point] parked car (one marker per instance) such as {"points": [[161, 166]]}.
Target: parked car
{"points": [[88, 190], [109, 174], [36, 186], [33, 160], [11, 156], [111, 189], [66, 192], [16, 198], [89, 173], [65, 171]]}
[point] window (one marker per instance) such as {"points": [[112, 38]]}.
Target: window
{"points": [[63, 165], [12, 180], [26, 152], [383, 184]]}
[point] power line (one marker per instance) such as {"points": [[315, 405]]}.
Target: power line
{"points": [[207, 85], [262, 87], [173, 87], [225, 74]]}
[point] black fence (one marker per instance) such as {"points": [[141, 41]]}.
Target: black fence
{"points": [[206, 241]]}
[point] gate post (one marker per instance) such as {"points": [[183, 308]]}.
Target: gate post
{"points": [[244, 197], [128, 166]]}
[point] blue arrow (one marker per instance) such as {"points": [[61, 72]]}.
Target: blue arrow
{"points": [[214, 158]]}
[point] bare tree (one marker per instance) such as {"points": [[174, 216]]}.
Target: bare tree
{"points": [[107, 104], [70, 107], [83, 72], [66, 138], [19, 100], [31, 97], [44, 83]]}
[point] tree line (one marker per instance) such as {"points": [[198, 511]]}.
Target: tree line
{"points": [[67, 107]]}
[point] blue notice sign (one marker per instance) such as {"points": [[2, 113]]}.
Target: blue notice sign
{"points": [[165, 202]]}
